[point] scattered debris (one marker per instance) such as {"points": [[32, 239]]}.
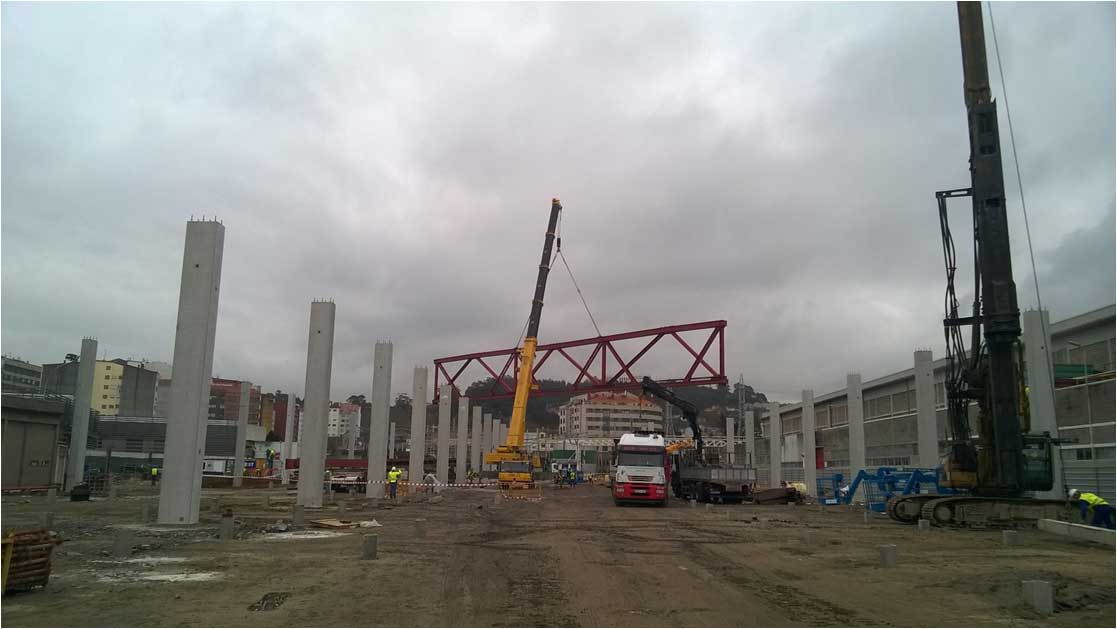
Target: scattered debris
{"points": [[368, 524], [269, 601], [334, 523]]}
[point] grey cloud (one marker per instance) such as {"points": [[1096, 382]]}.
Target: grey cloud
{"points": [[770, 164]]}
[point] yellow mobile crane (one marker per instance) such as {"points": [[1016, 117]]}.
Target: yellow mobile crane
{"points": [[516, 465]]}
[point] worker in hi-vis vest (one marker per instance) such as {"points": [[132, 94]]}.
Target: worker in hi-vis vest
{"points": [[1095, 510], [393, 481]]}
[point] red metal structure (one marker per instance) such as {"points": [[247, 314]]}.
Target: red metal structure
{"points": [[604, 370]]}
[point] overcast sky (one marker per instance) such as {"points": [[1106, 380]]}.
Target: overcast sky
{"points": [[771, 165]]}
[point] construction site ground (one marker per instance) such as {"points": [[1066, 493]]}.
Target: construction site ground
{"points": [[571, 559]]}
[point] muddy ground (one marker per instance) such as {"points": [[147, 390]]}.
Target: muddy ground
{"points": [[573, 559]]}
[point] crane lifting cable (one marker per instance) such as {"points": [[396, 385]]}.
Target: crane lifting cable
{"points": [[558, 248]]}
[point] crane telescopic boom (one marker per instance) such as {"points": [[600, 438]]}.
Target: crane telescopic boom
{"points": [[512, 449]]}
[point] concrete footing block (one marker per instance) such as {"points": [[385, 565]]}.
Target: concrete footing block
{"points": [[298, 515], [52, 495], [341, 510], [709, 507], [46, 520], [368, 547], [693, 503], [122, 544], [1010, 538], [868, 515], [227, 525], [1078, 532], [924, 525], [496, 498], [887, 555], [1040, 595]]}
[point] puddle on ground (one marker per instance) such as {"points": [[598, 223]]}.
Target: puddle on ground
{"points": [[169, 577], [290, 535], [142, 560]]}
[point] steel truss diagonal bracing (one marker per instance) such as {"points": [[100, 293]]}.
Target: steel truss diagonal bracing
{"points": [[605, 369]]}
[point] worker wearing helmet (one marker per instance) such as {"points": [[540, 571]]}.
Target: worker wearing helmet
{"points": [[393, 481], [1095, 509]]}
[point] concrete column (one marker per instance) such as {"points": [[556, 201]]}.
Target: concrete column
{"points": [[810, 472], [491, 432], [855, 410], [180, 490], [927, 428], [461, 456], [316, 405], [83, 397], [289, 436], [418, 425], [476, 443], [775, 456], [730, 440], [486, 440], [242, 434], [381, 434], [1041, 391], [442, 452], [750, 438], [354, 430]]}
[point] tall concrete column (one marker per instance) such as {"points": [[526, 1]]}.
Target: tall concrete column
{"points": [[289, 436], [494, 426], [1041, 391], [381, 433], [750, 438], [242, 434], [461, 456], [775, 455], [487, 438], [476, 443], [83, 398], [442, 452], [316, 406], [926, 421], [354, 429], [730, 440], [855, 411], [418, 425], [180, 490], [810, 472]]}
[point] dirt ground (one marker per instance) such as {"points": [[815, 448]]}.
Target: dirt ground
{"points": [[572, 559]]}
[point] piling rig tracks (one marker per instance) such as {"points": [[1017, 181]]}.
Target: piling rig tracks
{"points": [[974, 511]]}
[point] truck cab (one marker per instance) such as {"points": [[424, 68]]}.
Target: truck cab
{"points": [[642, 472]]}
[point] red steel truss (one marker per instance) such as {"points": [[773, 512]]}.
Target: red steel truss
{"points": [[604, 370]]}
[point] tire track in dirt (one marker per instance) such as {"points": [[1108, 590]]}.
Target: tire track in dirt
{"points": [[815, 611]]}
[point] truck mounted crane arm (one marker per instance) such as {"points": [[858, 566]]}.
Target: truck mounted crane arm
{"points": [[689, 411]]}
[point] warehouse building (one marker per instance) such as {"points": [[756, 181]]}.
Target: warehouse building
{"points": [[1082, 352]]}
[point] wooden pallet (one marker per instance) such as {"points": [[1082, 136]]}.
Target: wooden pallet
{"points": [[26, 556]]}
